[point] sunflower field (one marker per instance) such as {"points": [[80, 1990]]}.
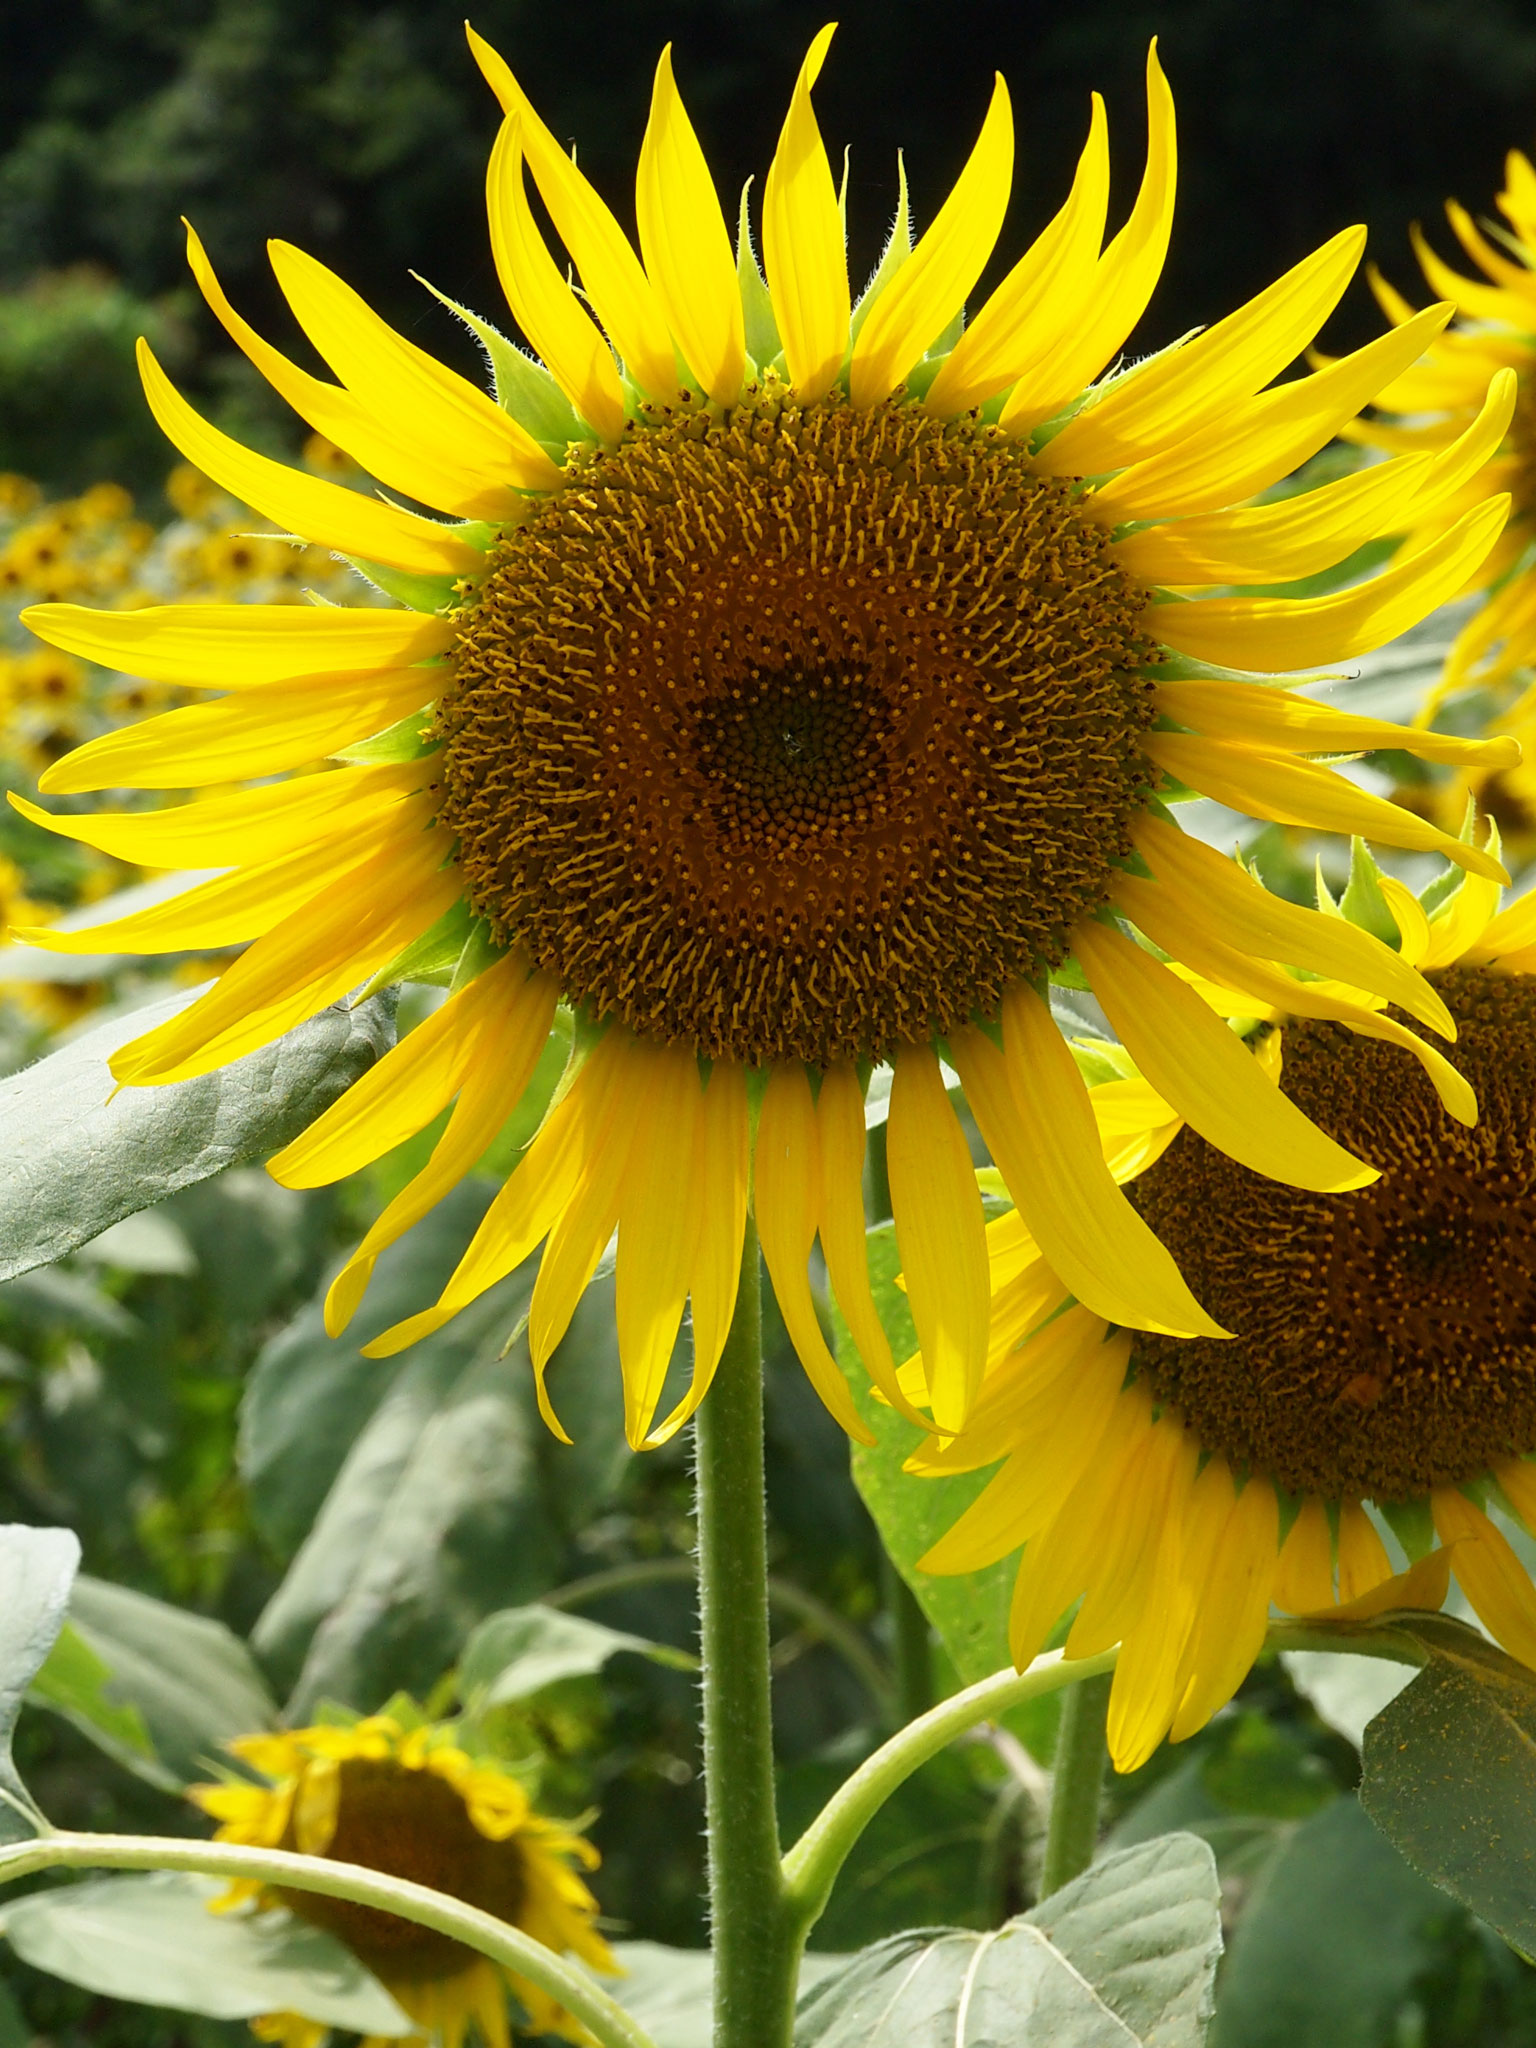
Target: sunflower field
{"points": [[768, 1025]]}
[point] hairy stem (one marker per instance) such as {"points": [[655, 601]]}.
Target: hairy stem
{"points": [[756, 1952], [605, 2020], [1077, 1784]]}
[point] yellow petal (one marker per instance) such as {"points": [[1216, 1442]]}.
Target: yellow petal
{"points": [[1363, 1560], [312, 958], [402, 1093], [1304, 1578], [1195, 381], [231, 646], [238, 738], [1206, 1072], [658, 1229], [1033, 1110], [803, 246], [1040, 299], [1153, 1670], [1292, 792], [1122, 283], [1257, 716], [1423, 1585], [685, 244], [1304, 632], [1489, 1572], [621, 295], [1128, 1554], [1217, 893], [939, 1233], [499, 1048], [306, 505], [786, 1188], [931, 286], [1229, 1631], [542, 302]]}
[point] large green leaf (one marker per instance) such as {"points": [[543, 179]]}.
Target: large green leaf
{"points": [[1450, 1774], [81, 1153], [157, 1688], [1347, 1692], [1329, 1946], [1126, 1954], [37, 1568], [153, 1940], [670, 1990], [970, 1613], [519, 1651]]}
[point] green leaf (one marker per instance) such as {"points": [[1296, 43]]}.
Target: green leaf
{"points": [[970, 1613], [37, 1569], [82, 1154], [1346, 1692], [1450, 1774], [145, 1243], [1124, 1954], [519, 1651], [1328, 1947], [670, 1991], [159, 1689], [153, 1940]]}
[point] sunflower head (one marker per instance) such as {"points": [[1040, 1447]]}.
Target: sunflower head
{"points": [[1380, 1369], [398, 1794]]}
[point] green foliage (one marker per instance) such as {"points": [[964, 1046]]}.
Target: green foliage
{"points": [[517, 1653], [37, 1568], [1124, 1954], [82, 1154], [152, 1939]]}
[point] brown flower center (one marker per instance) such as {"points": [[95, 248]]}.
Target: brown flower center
{"points": [[797, 733], [410, 1824], [1386, 1338]]}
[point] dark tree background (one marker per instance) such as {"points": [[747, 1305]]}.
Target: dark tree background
{"points": [[361, 131]]}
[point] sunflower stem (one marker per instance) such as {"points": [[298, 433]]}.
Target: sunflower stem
{"points": [[1077, 1784], [756, 1938]]}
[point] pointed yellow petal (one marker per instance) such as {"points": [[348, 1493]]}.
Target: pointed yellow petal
{"points": [[1034, 1111], [1304, 1578], [658, 1229], [1489, 1572], [1209, 888], [786, 1187], [1255, 715], [685, 244], [1292, 792], [1205, 1071], [1040, 299], [1123, 282], [939, 1234], [618, 288], [931, 286], [232, 646], [542, 302], [803, 246], [1229, 1630], [1197, 380], [306, 505], [1153, 1670], [1277, 633], [1363, 1560], [1129, 1548], [237, 738]]}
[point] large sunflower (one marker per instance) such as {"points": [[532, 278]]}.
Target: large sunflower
{"points": [[1385, 1352], [1446, 389], [791, 687], [400, 1796]]}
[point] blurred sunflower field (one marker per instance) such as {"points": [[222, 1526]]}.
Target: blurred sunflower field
{"points": [[767, 1069]]}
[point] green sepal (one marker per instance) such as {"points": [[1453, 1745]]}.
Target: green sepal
{"points": [[431, 958], [1363, 903], [937, 350], [1099, 1060], [762, 330], [524, 388], [418, 593], [409, 739], [478, 952], [920, 378], [1070, 975], [1412, 1523], [1440, 891], [896, 252]]}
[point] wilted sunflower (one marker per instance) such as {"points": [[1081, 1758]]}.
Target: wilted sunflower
{"points": [[790, 690], [1385, 1351], [1444, 391], [409, 1802]]}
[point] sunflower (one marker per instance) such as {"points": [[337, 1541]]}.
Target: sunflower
{"points": [[398, 1794], [1384, 1354], [793, 685], [1442, 393]]}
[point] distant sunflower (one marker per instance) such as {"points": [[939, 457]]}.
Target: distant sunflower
{"points": [[794, 688], [408, 1801], [1439, 396], [1385, 1351]]}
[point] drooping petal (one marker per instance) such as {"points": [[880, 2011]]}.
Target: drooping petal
{"points": [[1304, 1577], [1488, 1572], [658, 1228], [1253, 715], [1229, 1629]]}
